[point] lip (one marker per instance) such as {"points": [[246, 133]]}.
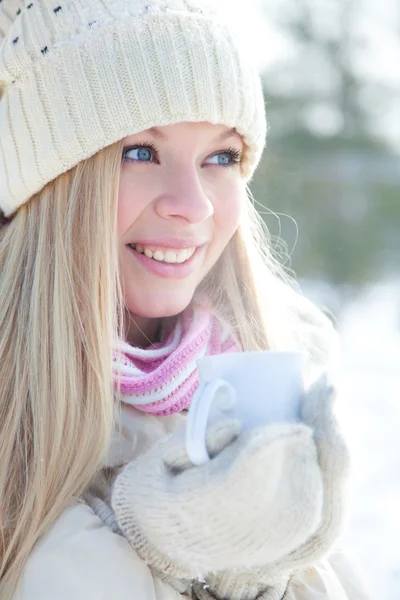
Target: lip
{"points": [[169, 242], [168, 270]]}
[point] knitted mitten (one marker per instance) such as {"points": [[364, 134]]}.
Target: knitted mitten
{"points": [[270, 501], [333, 456], [226, 585]]}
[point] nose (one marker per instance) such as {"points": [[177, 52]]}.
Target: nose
{"points": [[184, 197]]}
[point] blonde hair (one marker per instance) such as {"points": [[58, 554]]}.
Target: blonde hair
{"points": [[60, 307]]}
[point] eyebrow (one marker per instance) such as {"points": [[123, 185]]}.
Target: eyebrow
{"points": [[220, 138]]}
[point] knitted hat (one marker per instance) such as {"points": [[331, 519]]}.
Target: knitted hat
{"points": [[79, 75]]}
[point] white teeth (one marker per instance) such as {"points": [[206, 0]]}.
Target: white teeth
{"points": [[170, 256], [181, 258], [158, 255]]}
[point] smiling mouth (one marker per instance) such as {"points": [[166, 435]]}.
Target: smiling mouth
{"points": [[167, 255], [164, 268]]}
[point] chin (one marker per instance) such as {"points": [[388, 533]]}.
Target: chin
{"points": [[162, 305]]}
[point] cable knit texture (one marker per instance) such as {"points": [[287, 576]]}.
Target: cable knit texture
{"points": [[79, 75], [225, 586], [271, 501], [162, 379]]}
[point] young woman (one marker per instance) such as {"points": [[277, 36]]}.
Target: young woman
{"points": [[129, 248]]}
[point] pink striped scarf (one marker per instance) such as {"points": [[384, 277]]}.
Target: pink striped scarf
{"points": [[162, 379]]}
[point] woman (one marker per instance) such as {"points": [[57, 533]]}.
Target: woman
{"points": [[129, 248]]}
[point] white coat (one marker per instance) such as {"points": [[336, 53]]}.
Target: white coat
{"points": [[82, 559]]}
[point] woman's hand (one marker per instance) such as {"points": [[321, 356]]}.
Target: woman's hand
{"points": [[269, 501]]}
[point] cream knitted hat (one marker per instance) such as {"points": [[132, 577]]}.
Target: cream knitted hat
{"points": [[79, 75]]}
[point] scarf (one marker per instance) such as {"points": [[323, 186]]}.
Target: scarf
{"points": [[161, 379]]}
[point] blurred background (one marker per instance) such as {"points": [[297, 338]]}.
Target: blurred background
{"points": [[329, 185]]}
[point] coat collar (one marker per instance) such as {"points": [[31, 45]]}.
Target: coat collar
{"points": [[136, 432]]}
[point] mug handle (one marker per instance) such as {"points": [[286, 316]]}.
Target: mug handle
{"points": [[197, 418]]}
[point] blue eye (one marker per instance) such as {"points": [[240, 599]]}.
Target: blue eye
{"points": [[227, 158], [139, 153], [147, 153], [142, 153]]}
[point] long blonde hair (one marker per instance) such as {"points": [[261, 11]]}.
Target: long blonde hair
{"points": [[60, 307]]}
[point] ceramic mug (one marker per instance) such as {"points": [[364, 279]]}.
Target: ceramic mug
{"points": [[256, 388]]}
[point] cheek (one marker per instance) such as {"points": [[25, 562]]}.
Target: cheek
{"points": [[227, 214], [132, 200]]}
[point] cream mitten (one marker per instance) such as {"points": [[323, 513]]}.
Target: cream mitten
{"points": [[269, 501], [227, 585], [334, 460]]}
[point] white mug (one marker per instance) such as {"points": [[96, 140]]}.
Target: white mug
{"points": [[254, 387]]}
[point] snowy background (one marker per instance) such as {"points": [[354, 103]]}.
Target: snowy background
{"points": [[329, 185], [371, 350], [370, 413]]}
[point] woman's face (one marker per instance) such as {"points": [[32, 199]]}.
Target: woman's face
{"points": [[180, 198]]}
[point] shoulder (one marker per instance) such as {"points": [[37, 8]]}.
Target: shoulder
{"points": [[334, 578], [316, 334], [83, 559]]}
